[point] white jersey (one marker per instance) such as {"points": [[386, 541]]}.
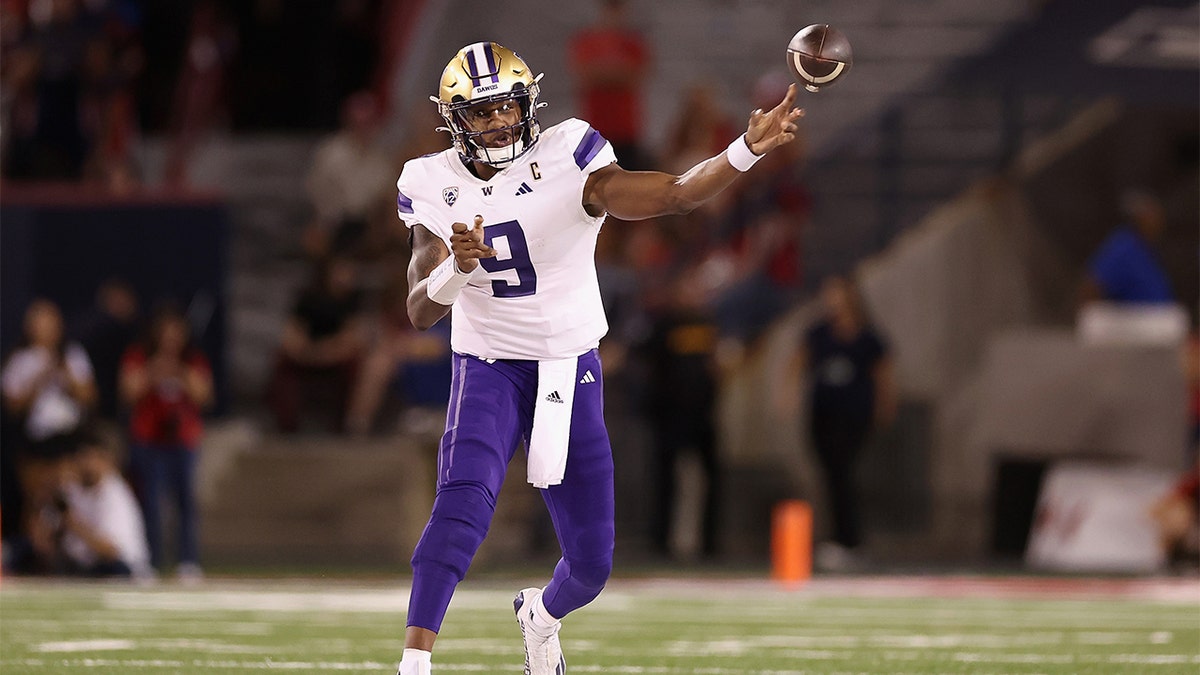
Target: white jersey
{"points": [[110, 510], [53, 410], [538, 298]]}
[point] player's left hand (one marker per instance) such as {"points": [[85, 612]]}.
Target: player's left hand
{"points": [[769, 130]]}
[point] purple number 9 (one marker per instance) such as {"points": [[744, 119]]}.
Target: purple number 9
{"points": [[518, 260]]}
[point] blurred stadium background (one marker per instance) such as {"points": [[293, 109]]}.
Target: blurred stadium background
{"points": [[964, 170]]}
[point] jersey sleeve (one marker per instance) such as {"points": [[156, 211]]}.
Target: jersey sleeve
{"points": [[590, 150], [417, 196], [410, 190], [405, 190]]}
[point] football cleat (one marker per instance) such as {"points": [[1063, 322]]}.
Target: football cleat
{"points": [[543, 655], [419, 668]]}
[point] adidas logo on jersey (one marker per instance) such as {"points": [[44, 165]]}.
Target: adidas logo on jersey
{"points": [[553, 397], [588, 378], [524, 189]]}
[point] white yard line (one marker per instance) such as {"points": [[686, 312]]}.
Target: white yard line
{"points": [[69, 646]]}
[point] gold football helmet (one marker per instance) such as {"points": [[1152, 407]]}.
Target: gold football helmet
{"points": [[485, 72]]}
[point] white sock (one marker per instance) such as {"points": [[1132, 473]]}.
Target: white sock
{"points": [[542, 623], [415, 662]]}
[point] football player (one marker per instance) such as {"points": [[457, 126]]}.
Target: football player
{"points": [[503, 228]]}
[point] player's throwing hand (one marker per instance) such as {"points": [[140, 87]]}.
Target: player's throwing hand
{"points": [[467, 245], [770, 130]]}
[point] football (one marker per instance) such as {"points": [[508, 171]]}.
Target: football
{"points": [[818, 56]]}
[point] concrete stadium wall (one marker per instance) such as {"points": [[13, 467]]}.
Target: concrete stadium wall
{"points": [[965, 312]]}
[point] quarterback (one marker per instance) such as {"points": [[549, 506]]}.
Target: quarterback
{"points": [[503, 228]]}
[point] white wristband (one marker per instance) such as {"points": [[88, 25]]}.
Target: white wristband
{"points": [[445, 282], [740, 156]]}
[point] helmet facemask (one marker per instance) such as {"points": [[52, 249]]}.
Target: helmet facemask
{"points": [[472, 144]]}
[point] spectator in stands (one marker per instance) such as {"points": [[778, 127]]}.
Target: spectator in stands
{"points": [[68, 75], [351, 175], [415, 364], [1126, 268], [610, 61], [103, 534], [106, 330], [111, 69], [49, 383], [48, 141], [322, 345], [200, 90], [852, 393], [681, 354], [167, 381], [48, 387], [19, 68]]}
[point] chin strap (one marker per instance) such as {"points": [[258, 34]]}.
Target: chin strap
{"points": [[484, 154]]}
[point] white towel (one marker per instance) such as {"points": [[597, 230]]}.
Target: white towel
{"points": [[552, 421]]}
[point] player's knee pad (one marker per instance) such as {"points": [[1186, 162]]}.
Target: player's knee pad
{"points": [[460, 520]]}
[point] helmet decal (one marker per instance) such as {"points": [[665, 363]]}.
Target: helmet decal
{"points": [[490, 71]]}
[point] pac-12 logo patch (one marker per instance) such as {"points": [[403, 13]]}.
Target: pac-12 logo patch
{"points": [[450, 194]]}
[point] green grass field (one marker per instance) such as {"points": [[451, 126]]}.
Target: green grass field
{"points": [[711, 626]]}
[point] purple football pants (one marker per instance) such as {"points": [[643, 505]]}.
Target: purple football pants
{"points": [[490, 414]]}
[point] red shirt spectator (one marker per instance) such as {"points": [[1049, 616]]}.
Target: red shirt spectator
{"points": [[166, 382], [610, 61], [165, 414]]}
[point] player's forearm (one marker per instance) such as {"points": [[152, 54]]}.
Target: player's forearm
{"points": [[708, 178], [705, 181], [635, 195], [433, 264], [423, 312]]}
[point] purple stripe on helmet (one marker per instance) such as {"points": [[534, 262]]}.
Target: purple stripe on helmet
{"points": [[472, 68], [491, 62], [588, 147], [403, 203]]}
